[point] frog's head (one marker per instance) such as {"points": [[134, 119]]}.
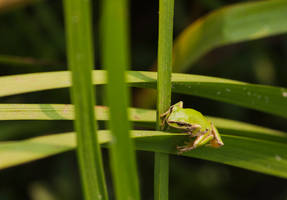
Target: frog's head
{"points": [[178, 105], [177, 117], [165, 116]]}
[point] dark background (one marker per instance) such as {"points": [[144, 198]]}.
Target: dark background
{"points": [[36, 32]]}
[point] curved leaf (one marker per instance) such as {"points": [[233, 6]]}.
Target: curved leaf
{"points": [[257, 155], [236, 23], [145, 116], [260, 97]]}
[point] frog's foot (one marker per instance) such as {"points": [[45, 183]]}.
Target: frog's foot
{"points": [[217, 141], [182, 149], [188, 145]]}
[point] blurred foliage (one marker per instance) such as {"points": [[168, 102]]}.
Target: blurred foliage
{"points": [[36, 32]]}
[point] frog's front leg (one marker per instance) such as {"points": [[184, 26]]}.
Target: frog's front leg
{"points": [[196, 131], [164, 117]]}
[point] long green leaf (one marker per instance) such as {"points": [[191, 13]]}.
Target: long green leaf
{"points": [[81, 62], [236, 23], [66, 112], [252, 154], [260, 97], [115, 59], [238, 128]]}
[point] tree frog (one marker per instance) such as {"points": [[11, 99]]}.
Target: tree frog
{"points": [[195, 124]]}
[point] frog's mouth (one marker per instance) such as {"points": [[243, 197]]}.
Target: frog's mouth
{"points": [[181, 123]]}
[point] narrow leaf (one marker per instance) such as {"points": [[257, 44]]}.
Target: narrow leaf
{"points": [[64, 112], [81, 61], [115, 59], [265, 98], [145, 116], [164, 62], [252, 154], [236, 23]]}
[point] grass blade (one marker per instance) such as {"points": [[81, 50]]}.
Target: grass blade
{"points": [[252, 154], [259, 97], [64, 112], [240, 22], [146, 117], [165, 37], [115, 58], [80, 59]]}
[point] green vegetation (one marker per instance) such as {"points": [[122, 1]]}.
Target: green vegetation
{"points": [[36, 110], [80, 62]]}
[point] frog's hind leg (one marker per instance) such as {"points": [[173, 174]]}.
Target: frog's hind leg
{"points": [[199, 141], [217, 141], [202, 139]]}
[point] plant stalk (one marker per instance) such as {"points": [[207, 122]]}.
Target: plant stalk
{"points": [[115, 58], [165, 38]]}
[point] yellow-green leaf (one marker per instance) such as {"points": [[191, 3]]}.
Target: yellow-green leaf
{"points": [[235, 23]]}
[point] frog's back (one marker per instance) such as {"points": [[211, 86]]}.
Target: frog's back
{"points": [[196, 117], [189, 115]]}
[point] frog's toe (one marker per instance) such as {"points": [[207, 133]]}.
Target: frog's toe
{"points": [[182, 149]]}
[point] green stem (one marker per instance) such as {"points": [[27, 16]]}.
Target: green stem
{"points": [[115, 58], [161, 172], [80, 60]]}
